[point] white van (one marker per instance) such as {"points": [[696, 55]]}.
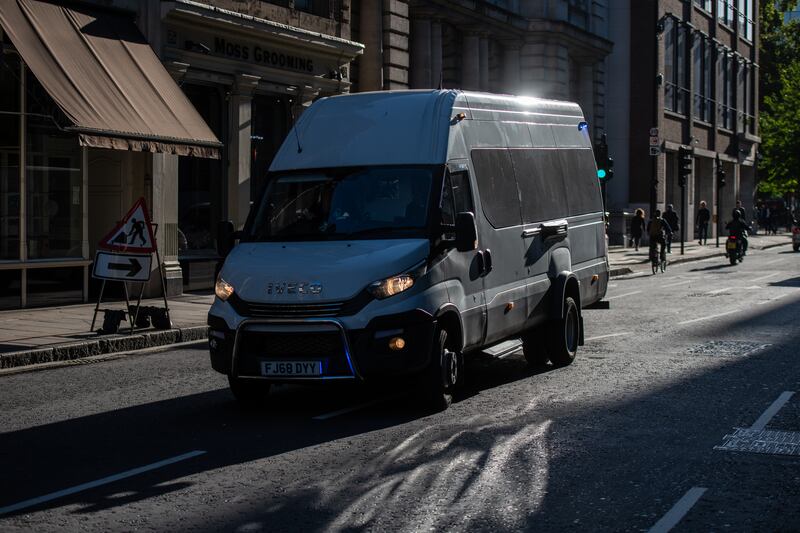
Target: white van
{"points": [[400, 231]]}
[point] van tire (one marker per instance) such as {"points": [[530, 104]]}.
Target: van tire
{"points": [[565, 335], [444, 374], [249, 393], [534, 347]]}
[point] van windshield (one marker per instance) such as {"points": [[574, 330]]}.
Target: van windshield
{"points": [[364, 203]]}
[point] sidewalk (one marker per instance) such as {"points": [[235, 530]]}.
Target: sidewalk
{"points": [[626, 260], [36, 336]]}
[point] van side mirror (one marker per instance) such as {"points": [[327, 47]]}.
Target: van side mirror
{"points": [[466, 232], [225, 237]]}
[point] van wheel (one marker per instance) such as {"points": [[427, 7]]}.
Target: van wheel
{"points": [[444, 374], [534, 347], [249, 393], [565, 334]]}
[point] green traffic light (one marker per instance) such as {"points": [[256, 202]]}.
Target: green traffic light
{"points": [[601, 173]]}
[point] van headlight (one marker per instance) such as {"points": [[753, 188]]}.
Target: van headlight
{"points": [[391, 286], [223, 289], [396, 284]]}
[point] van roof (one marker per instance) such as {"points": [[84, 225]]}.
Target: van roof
{"points": [[400, 127]]}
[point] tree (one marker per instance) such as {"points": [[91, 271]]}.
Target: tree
{"points": [[779, 119]]}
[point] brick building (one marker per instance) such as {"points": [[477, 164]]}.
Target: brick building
{"points": [[690, 69]]}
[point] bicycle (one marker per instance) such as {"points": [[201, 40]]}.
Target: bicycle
{"points": [[655, 262]]}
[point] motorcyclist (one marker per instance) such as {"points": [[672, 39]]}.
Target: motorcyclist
{"points": [[739, 228]]}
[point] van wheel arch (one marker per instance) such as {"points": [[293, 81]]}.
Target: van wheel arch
{"points": [[566, 285], [449, 319]]}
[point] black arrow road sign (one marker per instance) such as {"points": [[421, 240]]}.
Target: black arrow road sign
{"points": [[132, 267], [123, 267]]}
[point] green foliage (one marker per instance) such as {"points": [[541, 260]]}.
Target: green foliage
{"points": [[779, 122]]}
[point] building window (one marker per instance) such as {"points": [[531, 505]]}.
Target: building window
{"points": [[676, 36], [704, 4], [10, 89], [703, 99], [745, 18], [579, 13], [751, 100], [727, 111], [320, 8], [725, 12]]}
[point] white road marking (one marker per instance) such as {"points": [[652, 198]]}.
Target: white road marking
{"points": [[678, 511], [612, 285], [774, 261], [346, 410], [762, 278], [623, 295], [676, 284], [717, 291], [98, 482], [608, 336], [707, 317], [771, 411]]}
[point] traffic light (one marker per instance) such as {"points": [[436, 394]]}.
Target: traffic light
{"points": [[720, 174], [605, 164], [685, 162]]}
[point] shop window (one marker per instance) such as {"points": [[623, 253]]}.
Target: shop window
{"points": [[10, 289], [271, 121], [9, 156], [54, 286], [200, 183], [54, 180]]}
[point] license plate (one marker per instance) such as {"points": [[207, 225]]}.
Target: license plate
{"points": [[731, 246], [291, 368]]}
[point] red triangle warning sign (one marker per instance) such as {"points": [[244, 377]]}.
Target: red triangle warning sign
{"points": [[133, 234]]}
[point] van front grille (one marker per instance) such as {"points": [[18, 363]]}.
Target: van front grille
{"points": [[300, 310]]}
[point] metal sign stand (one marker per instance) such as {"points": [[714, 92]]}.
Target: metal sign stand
{"points": [[133, 318]]}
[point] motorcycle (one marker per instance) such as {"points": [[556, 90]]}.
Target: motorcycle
{"points": [[734, 249]]}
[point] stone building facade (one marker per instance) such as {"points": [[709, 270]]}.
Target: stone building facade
{"points": [[689, 69], [555, 49]]}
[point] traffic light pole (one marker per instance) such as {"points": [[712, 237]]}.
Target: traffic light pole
{"points": [[683, 215]]}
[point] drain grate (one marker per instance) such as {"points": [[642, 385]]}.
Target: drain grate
{"points": [[727, 348], [765, 441]]}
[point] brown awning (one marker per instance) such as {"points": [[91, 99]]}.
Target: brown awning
{"points": [[106, 79]]}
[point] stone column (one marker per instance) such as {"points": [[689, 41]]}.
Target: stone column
{"points": [[470, 62], [240, 106], [370, 65], [420, 53], [305, 97], [483, 60], [436, 54], [511, 67]]}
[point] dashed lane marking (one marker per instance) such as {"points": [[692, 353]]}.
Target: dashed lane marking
{"points": [[678, 511], [707, 317], [774, 261], [762, 278], [717, 291], [771, 411], [98, 482], [623, 295]]}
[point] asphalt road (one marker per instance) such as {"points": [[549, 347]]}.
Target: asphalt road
{"points": [[623, 439]]}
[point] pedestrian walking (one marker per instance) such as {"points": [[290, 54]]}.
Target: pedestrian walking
{"points": [[637, 227], [671, 216], [703, 218]]}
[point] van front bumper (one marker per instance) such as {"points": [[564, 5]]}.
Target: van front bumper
{"points": [[363, 354]]}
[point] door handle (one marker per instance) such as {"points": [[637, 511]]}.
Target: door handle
{"points": [[487, 261], [555, 229], [533, 232]]}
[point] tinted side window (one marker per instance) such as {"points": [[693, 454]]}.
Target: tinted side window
{"points": [[541, 184], [462, 193], [581, 174], [498, 188]]}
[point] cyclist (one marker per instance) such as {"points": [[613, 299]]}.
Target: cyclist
{"points": [[658, 229]]}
